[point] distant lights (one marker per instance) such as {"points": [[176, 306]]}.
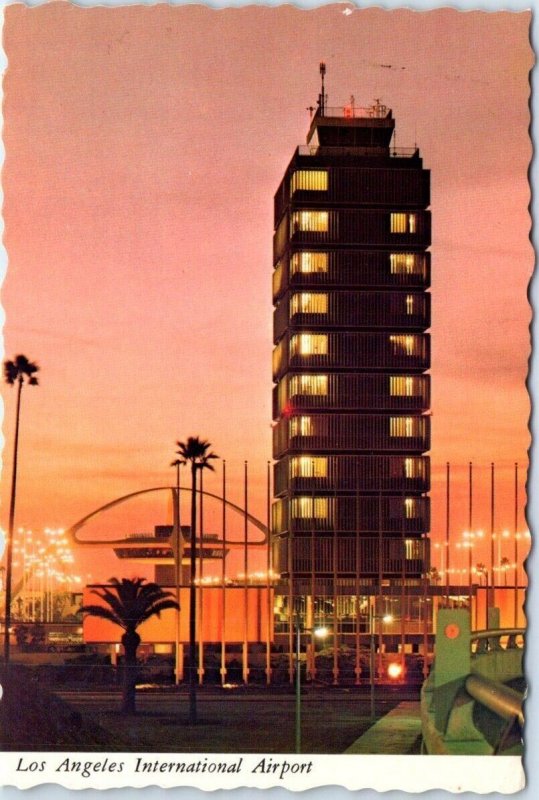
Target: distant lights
{"points": [[254, 578]]}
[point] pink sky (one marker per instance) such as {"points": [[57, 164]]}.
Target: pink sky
{"points": [[144, 146]]}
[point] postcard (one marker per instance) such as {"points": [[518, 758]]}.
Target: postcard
{"points": [[266, 341]]}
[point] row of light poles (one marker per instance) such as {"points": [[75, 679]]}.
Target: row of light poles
{"points": [[472, 540], [492, 571], [43, 560]]}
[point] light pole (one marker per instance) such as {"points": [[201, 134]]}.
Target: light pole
{"points": [[469, 543], [515, 533], [178, 670], [320, 633], [387, 618], [443, 548], [2, 588]]}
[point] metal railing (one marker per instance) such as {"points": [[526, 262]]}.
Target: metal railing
{"points": [[471, 703], [326, 150], [498, 698], [489, 641], [351, 111]]}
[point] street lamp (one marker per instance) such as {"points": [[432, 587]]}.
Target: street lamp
{"points": [[320, 633], [178, 665], [470, 537], [386, 619], [2, 588]]}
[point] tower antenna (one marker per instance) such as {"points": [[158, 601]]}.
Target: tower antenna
{"points": [[322, 96]]}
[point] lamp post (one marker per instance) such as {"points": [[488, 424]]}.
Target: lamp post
{"points": [[320, 633], [442, 547], [178, 667], [2, 590], [469, 537], [491, 589], [482, 570], [387, 618], [515, 533]]}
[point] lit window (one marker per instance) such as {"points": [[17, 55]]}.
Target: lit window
{"points": [[309, 303], [398, 223], [309, 262], [403, 223], [278, 515], [404, 426], [308, 384], [413, 549], [282, 395], [411, 508], [404, 386], [309, 344], [410, 304], [406, 263], [414, 468], [278, 357], [301, 426], [278, 277], [405, 345], [309, 467], [312, 221], [309, 180], [310, 507]]}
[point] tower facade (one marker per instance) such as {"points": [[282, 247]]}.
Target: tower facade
{"points": [[351, 393]]}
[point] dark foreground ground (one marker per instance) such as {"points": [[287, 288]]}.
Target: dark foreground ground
{"points": [[34, 718]]}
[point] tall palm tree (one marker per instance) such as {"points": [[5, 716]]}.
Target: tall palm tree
{"points": [[129, 603], [18, 371], [504, 566], [481, 570], [196, 452]]}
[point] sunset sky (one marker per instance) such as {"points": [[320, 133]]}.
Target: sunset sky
{"points": [[143, 149]]}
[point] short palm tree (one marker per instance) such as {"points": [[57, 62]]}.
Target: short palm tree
{"points": [[434, 575], [129, 603], [196, 452], [20, 371]]}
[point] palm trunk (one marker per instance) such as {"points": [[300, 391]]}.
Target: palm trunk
{"points": [[130, 641], [9, 554], [192, 604]]}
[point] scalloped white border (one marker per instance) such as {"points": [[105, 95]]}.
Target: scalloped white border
{"points": [[411, 774]]}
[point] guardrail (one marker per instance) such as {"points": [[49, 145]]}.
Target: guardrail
{"points": [[489, 640], [471, 703], [498, 698]]}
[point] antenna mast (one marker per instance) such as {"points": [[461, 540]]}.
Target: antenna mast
{"points": [[322, 96]]}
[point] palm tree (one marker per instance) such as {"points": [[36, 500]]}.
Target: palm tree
{"points": [[435, 576], [481, 570], [19, 371], [195, 452], [129, 603], [504, 566]]}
